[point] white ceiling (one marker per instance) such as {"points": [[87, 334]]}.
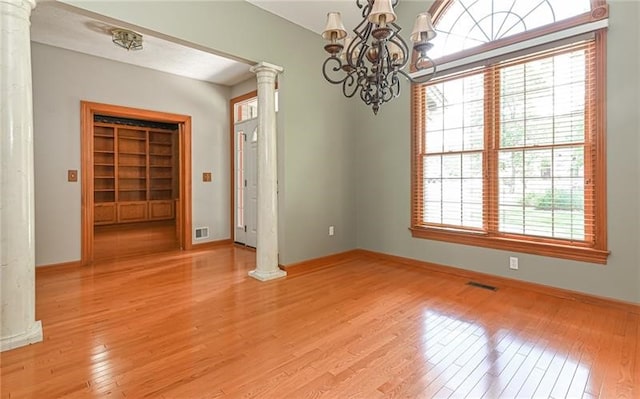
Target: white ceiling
{"points": [[63, 26], [312, 14], [60, 25]]}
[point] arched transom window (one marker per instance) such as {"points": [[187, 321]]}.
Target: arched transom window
{"points": [[466, 24], [508, 139]]}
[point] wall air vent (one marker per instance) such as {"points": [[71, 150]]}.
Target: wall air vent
{"points": [[202, 232]]}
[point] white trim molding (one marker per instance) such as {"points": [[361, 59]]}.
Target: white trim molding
{"points": [[31, 336]]}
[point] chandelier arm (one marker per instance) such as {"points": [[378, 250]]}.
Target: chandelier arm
{"points": [[366, 9], [421, 79], [362, 4], [365, 93], [336, 68], [356, 44], [350, 83], [406, 53], [395, 83], [387, 90]]}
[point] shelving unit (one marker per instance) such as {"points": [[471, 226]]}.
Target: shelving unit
{"points": [[161, 171], [135, 173]]}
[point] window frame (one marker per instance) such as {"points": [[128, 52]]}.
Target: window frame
{"points": [[594, 252]]}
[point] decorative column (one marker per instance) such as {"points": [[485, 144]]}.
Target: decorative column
{"points": [[18, 325], [267, 227]]}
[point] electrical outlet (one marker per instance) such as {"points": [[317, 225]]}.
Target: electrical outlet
{"points": [[332, 230], [513, 263]]}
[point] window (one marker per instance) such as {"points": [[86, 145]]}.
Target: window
{"points": [[468, 24], [508, 153], [246, 110]]}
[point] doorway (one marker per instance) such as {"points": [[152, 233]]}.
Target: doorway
{"points": [[246, 177], [136, 179], [244, 167]]}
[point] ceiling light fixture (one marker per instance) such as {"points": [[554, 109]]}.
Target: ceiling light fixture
{"points": [[127, 39], [373, 59]]}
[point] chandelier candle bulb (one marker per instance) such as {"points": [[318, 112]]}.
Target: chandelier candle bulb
{"points": [[333, 32], [371, 63], [395, 53], [345, 49], [382, 13], [423, 28]]}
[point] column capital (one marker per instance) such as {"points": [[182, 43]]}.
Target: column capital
{"points": [[266, 67]]}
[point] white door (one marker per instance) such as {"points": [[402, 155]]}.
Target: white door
{"points": [[246, 176]]}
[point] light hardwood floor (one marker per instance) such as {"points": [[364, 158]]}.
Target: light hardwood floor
{"points": [[124, 240], [193, 325]]}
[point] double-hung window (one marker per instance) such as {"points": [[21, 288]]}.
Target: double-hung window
{"points": [[508, 141]]}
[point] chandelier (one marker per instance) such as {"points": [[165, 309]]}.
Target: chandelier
{"points": [[127, 39], [370, 62]]}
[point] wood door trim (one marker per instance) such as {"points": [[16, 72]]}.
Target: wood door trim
{"points": [[232, 159], [87, 111]]}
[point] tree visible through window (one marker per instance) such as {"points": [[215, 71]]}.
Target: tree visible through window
{"points": [[509, 154]]}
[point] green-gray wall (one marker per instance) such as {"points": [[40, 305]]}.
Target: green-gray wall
{"points": [[315, 142], [63, 78], [383, 183], [341, 165]]}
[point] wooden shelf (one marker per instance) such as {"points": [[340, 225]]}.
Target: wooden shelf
{"points": [[135, 173]]}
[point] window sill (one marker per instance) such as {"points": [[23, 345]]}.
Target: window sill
{"points": [[577, 253]]}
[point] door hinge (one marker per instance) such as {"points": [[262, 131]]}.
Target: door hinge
{"points": [[245, 228], [245, 182]]}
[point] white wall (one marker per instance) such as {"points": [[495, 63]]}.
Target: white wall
{"points": [[61, 79]]}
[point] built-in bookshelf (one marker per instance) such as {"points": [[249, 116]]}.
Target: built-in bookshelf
{"points": [[135, 174]]}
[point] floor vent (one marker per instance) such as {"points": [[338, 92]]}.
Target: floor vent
{"points": [[202, 232], [483, 286]]}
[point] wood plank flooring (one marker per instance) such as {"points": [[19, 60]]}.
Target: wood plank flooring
{"points": [[194, 325], [131, 239]]}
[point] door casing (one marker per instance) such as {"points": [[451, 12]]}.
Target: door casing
{"points": [[183, 216], [232, 158]]}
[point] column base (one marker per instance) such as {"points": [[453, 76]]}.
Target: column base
{"points": [[266, 276], [31, 336]]}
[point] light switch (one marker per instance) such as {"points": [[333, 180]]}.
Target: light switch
{"points": [[206, 176], [72, 175]]}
